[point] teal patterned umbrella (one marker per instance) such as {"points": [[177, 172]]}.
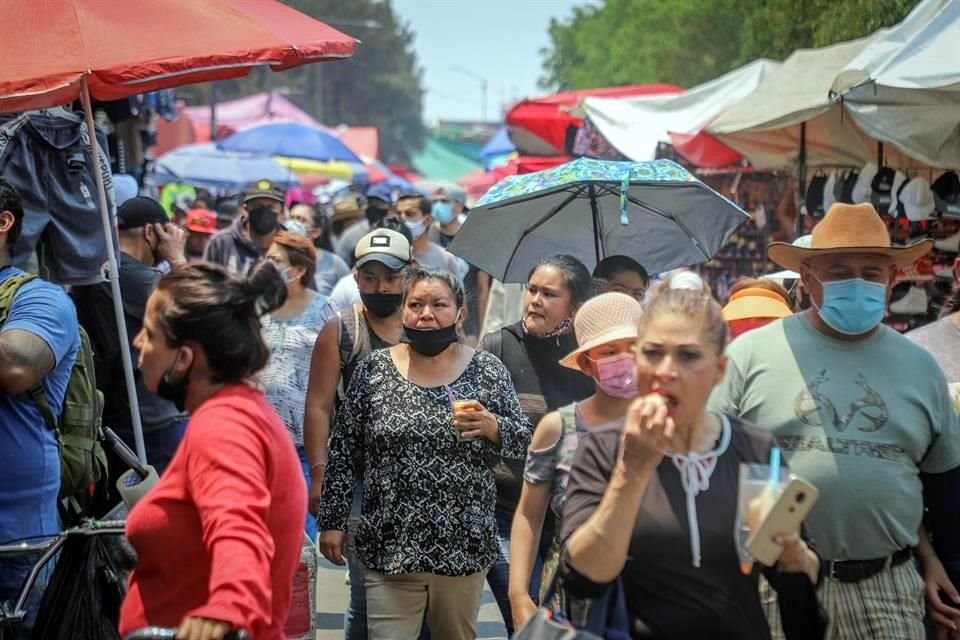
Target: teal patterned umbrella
{"points": [[657, 213]]}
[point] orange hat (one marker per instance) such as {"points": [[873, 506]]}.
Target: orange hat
{"points": [[201, 221], [755, 302]]}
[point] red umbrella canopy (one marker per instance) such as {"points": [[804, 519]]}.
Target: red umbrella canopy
{"points": [[548, 117], [135, 46]]}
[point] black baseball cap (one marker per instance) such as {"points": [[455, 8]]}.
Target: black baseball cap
{"points": [[139, 212], [263, 189]]}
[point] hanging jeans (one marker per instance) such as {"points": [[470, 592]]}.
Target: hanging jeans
{"points": [[46, 156]]}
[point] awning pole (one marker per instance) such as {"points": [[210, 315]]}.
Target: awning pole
{"points": [[114, 273]]}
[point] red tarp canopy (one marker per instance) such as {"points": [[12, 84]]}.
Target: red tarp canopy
{"points": [[703, 150], [549, 117], [135, 46]]}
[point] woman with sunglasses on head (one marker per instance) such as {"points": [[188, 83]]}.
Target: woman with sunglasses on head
{"points": [[422, 423], [606, 329]]}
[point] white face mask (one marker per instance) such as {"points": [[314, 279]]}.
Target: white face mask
{"points": [[284, 276], [416, 228]]}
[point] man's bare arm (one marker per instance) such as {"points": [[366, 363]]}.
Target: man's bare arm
{"points": [[24, 360]]}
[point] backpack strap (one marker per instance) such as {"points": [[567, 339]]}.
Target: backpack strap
{"points": [[568, 424], [8, 290], [39, 397]]}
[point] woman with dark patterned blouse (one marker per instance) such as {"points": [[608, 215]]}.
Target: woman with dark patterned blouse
{"points": [[422, 424]]}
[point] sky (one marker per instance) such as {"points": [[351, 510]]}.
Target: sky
{"points": [[499, 40]]}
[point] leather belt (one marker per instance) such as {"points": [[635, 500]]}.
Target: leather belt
{"points": [[857, 570]]}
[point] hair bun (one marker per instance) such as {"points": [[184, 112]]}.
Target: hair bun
{"points": [[263, 290]]}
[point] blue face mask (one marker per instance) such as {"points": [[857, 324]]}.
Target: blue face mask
{"points": [[854, 306], [442, 211]]}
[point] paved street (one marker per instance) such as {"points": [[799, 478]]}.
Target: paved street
{"points": [[332, 593]]}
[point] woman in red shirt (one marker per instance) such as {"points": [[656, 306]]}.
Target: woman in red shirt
{"points": [[219, 537]]}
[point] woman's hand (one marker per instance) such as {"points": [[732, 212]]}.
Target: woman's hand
{"points": [[935, 576], [797, 557], [647, 432], [202, 629], [474, 421], [522, 608], [333, 546]]}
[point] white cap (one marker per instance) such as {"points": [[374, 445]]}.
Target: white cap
{"points": [[864, 186], [828, 197], [917, 200], [898, 179], [687, 280]]}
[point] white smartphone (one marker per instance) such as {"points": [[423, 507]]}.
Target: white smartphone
{"points": [[785, 516]]}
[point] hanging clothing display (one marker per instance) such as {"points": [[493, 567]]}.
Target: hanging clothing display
{"points": [[45, 155]]}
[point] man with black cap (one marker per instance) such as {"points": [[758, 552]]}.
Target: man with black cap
{"points": [[379, 206], [248, 238], [147, 238]]}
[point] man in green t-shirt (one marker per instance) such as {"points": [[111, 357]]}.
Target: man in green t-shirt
{"points": [[860, 412]]}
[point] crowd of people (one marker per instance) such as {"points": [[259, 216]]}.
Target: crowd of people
{"points": [[323, 372]]}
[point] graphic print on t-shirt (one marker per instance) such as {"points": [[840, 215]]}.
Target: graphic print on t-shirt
{"points": [[812, 404], [869, 413]]}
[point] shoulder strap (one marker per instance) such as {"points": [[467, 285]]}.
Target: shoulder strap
{"points": [[8, 289], [355, 349], [568, 418]]}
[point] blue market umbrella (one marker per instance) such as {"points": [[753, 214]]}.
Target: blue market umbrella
{"points": [[291, 140], [655, 212], [204, 165]]}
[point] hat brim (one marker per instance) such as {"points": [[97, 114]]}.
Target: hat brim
{"points": [[345, 215], [390, 262], [263, 196], [781, 275], [791, 257], [622, 332], [198, 229], [755, 307]]}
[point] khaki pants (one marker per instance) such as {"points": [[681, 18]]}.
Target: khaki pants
{"points": [[395, 605], [887, 606]]}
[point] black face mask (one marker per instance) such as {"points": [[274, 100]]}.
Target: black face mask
{"points": [[429, 342], [382, 305], [262, 221], [375, 215], [174, 391]]}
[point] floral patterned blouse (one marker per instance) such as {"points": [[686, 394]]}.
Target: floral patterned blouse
{"points": [[428, 497]]}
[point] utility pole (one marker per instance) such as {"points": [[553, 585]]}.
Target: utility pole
{"points": [[483, 87]]}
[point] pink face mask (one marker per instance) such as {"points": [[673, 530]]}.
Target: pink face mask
{"points": [[616, 376]]}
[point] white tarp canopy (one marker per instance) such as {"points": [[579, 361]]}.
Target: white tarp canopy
{"points": [[765, 126], [634, 126], [903, 88], [922, 52]]}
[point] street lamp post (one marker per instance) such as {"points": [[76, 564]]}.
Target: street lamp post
{"points": [[483, 87]]}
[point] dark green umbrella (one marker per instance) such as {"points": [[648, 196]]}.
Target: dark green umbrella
{"points": [[656, 212]]}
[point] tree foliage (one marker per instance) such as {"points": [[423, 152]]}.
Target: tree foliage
{"points": [[687, 42], [380, 86]]}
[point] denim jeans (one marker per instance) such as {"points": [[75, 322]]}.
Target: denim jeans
{"points": [[498, 577], [311, 526]]}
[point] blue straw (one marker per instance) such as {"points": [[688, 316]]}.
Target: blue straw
{"points": [[774, 467]]}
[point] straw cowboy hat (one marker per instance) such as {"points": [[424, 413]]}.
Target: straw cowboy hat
{"points": [[605, 318], [755, 302], [848, 228]]}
